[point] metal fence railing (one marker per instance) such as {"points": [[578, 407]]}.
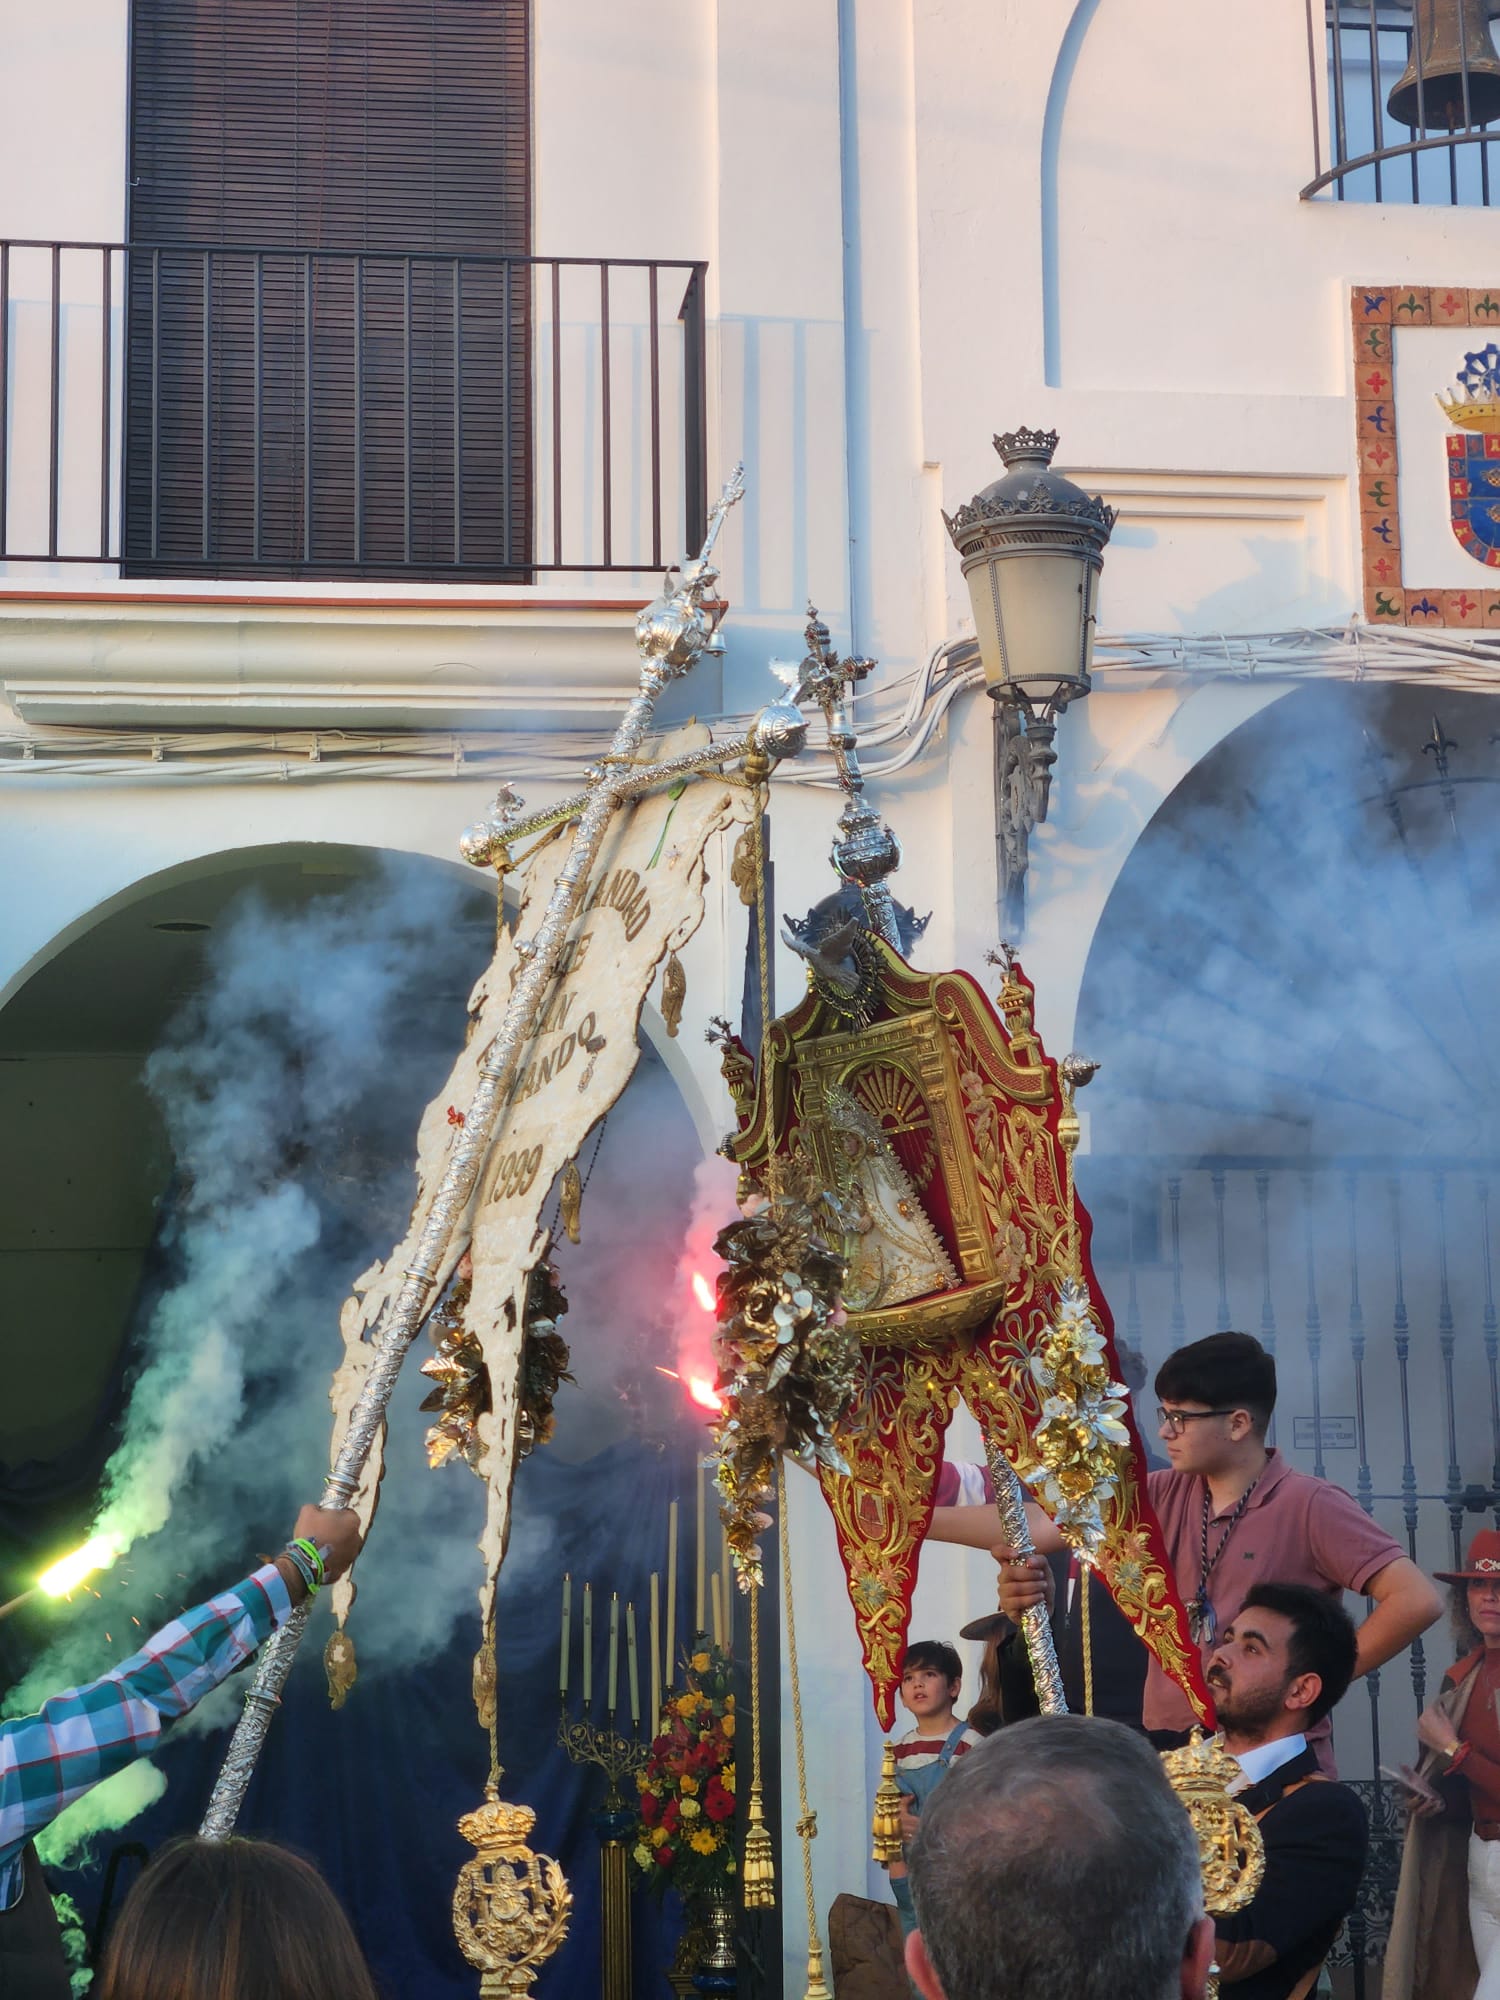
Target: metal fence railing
{"points": [[1373, 1282]]}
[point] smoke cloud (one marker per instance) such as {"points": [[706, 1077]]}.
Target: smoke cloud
{"points": [[290, 1086], [1294, 993]]}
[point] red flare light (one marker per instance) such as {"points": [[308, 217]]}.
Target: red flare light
{"points": [[703, 1393], [703, 1292]]}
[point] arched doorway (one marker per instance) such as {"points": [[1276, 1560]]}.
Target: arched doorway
{"points": [[218, 1085], [1293, 991]]}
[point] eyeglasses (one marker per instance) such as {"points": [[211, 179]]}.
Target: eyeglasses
{"points": [[1175, 1422]]}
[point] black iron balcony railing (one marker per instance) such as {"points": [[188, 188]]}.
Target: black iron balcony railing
{"points": [[1404, 98], [208, 410]]}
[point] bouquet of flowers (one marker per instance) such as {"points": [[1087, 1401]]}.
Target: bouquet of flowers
{"points": [[685, 1839]]}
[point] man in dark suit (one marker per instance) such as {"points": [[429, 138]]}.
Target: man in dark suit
{"points": [[1278, 1669]]}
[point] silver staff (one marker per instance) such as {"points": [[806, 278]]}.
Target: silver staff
{"points": [[671, 633], [1036, 1626]]}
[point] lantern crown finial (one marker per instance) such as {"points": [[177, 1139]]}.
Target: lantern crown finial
{"points": [[1026, 447]]}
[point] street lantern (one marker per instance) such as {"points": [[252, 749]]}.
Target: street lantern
{"points": [[1032, 546]]}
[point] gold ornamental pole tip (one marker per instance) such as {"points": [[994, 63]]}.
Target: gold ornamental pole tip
{"points": [[1230, 1848], [510, 1906]]}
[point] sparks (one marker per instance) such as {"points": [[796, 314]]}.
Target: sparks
{"points": [[703, 1393], [703, 1292], [97, 1553], [670, 1373]]}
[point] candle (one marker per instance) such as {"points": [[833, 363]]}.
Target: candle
{"points": [[669, 1657], [726, 1565], [656, 1682], [614, 1649], [588, 1645], [567, 1621], [699, 1597], [715, 1598], [633, 1667]]}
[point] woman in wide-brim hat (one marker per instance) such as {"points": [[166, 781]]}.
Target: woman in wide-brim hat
{"points": [[1445, 1931]]}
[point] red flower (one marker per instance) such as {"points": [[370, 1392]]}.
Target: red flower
{"points": [[665, 1857], [671, 1813], [718, 1803], [650, 1806]]}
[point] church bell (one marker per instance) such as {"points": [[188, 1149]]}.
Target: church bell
{"points": [[1451, 50]]}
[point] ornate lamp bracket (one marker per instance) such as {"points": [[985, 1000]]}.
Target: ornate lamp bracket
{"points": [[1025, 752]]}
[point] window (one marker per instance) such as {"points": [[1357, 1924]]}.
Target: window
{"points": [[328, 351]]}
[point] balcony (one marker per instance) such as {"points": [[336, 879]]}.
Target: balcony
{"points": [[1398, 116], [203, 411]]}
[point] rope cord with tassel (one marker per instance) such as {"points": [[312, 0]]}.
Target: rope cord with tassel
{"points": [[807, 1824], [759, 1872]]}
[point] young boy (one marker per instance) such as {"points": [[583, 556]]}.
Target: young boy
{"points": [[1233, 1514], [931, 1676]]}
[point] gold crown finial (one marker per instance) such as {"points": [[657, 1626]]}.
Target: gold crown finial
{"points": [[511, 1907], [1230, 1848]]}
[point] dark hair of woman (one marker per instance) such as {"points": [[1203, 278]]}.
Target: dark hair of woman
{"points": [[986, 1715], [232, 1920], [1465, 1633]]}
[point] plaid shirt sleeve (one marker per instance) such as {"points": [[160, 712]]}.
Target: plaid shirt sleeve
{"points": [[49, 1759]]}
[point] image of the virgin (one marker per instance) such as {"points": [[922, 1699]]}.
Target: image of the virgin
{"points": [[893, 1251]]}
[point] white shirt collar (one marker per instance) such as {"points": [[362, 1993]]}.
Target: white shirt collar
{"points": [[1259, 1763]]}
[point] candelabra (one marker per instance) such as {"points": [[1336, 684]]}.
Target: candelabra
{"points": [[618, 1757]]}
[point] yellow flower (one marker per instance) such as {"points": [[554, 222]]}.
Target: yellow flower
{"points": [[729, 1701], [703, 1842], [726, 1722], [658, 1835], [688, 1783], [700, 1663], [726, 1777], [691, 1809], [685, 1704], [642, 1856]]}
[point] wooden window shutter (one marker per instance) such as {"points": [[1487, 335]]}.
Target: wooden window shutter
{"points": [[328, 364]]}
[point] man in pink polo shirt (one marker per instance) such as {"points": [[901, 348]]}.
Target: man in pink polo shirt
{"points": [[1233, 1514]]}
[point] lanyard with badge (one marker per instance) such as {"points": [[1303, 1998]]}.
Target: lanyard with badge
{"points": [[1202, 1622]]}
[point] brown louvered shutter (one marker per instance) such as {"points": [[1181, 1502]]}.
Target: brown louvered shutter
{"points": [[328, 366]]}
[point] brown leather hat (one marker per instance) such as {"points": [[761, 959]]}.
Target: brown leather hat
{"points": [[993, 1625]]}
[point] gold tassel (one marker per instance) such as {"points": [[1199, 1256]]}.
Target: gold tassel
{"points": [[885, 1827], [570, 1200], [817, 1987], [759, 1868]]}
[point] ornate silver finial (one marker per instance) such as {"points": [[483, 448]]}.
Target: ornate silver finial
{"points": [[673, 630], [865, 852], [1076, 1071], [485, 844]]}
